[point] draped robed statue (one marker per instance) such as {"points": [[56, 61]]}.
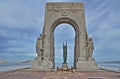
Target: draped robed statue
{"points": [[64, 53]]}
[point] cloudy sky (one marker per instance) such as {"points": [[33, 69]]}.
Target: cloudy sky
{"points": [[22, 21]]}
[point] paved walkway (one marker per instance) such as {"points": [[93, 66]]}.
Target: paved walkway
{"points": [[20, 74]]}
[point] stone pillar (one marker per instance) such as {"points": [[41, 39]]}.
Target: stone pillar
{"points": [[88, 64]]}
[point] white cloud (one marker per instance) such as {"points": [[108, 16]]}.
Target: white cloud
{"points": [[103, 26], [18, 14], [11, 43]]}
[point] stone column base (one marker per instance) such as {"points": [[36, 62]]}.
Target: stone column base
{"points": [[42, 64], [87, 65], [64, 66]]}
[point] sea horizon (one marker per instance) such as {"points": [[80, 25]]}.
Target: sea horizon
{"points": [[113, 66]]}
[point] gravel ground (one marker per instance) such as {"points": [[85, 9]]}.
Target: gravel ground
{"points": [[29, 74]]}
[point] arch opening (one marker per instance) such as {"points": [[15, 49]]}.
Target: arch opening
{"points": [[76, 41], [64, 32]]}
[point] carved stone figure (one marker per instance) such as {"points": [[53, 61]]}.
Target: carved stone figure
{"points": [[39, 48], [90, 48]]}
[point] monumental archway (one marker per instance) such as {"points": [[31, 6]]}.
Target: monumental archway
{"points": [[73, 14]]}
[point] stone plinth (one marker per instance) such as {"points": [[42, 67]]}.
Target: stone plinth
{"points": [[87, 66], [64, 66], [42, 64]]}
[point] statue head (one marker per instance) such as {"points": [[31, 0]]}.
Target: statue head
{"points": [[89, 39]]}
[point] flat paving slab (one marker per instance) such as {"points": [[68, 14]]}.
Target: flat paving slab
{"points": [[26, 74]]}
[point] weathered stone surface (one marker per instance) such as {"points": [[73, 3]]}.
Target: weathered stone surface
{"points": [[71, 13], [87, 66], [64, 66]]}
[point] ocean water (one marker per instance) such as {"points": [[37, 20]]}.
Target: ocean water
{"points": [[110, 66], [13, 66], [16, 65]]}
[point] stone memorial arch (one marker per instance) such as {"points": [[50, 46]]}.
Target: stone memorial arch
{"points": [[73, 14]]}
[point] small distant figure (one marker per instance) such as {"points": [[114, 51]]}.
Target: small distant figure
{"points": [[71, 69]]}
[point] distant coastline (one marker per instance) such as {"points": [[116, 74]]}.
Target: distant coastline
{"points": [[110, 65], [2, 62], [110, 62]]}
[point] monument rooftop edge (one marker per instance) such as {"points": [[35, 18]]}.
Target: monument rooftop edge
{"points": [[67, 5]]}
